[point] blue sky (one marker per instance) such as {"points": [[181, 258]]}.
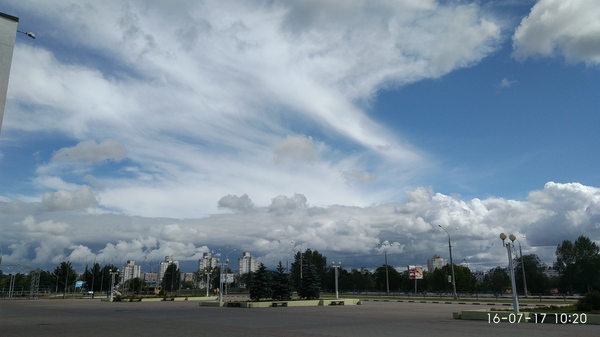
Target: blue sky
{"points": [[136, 130]]}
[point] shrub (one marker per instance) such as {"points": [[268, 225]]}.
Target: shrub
{"points": [[590, 302]]}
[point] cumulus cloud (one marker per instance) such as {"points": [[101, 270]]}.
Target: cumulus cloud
{"points": [[560, 27], [82, 198], [358, 236], [283, 204], [91, 152], [237, 204]]}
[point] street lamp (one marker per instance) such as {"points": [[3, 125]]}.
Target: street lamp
{"points": [[220, 283], [336, 276], [509, 247], [387, 276], [451, 263], [522, 268], [301, 257], [112, 273], [227, 267], [30, 34], [207, 272]]}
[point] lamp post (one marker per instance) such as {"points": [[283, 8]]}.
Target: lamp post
{"points": [[30, 34], [336, 277], [220, 283], [227, 267], [451, 263], [523, 269], [509, 247], [112, 273], [301, 258], [207, 272]]}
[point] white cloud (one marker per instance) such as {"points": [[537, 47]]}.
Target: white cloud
{"points": [[506, 83], [296, 147], [560, 27], [82, 198], [359, 176], [194, 118], [283, 204], [355, 235], [236, 204], [91, 152]]}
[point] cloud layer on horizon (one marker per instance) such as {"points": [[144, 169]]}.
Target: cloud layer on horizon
{"points": [[408, 230]]}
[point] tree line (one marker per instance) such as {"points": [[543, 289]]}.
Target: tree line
{"points": [[577, 262]]}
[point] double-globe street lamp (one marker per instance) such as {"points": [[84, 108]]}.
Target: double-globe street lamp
{"points": [[509, 247], [226, 268], [207, 272], [451, 263], [336, 276], [112, 273]]}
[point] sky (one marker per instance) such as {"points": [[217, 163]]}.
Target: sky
{"points": [[134, 130]]}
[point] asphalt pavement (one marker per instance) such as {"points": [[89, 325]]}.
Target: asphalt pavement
{"points": [[87, 317]]}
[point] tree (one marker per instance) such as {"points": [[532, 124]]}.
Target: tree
{"points": [[282, 287], [105, 278], [309, 288], [171, 278], [260, 284], [134, 285], [496, 280], [306, 259], [65, 275], [537, 281], [361, 279], [577, 263], [382, 278]]}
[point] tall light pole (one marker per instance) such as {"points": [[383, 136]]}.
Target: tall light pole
{"points": [[523, 268], [387, 276], [220, 283], [301, 253], [509, 247], [336, 277], [227, 267], [451, 263], [207, 272], [112, 273]]}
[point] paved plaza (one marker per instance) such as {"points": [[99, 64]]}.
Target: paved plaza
{"points": [[186, 318]]}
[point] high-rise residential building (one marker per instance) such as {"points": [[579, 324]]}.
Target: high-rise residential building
{"points": [[162, 268], [247, 263], [130, 271], [436, 262], [207, 261]]}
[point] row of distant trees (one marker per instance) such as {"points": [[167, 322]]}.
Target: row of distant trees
{"points": [[577, 262]]}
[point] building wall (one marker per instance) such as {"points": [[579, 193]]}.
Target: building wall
{"points": [[8, 32], [436, 262], [247, 263], [207, 261]]}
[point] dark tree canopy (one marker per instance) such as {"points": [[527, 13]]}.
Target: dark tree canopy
{"points": [[310, 289], [260, 284], [282, 287], [578, 264]]}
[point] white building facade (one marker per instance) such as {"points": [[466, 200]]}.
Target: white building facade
{"points": [[247, 264], [130, 271], [436, 262]]}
